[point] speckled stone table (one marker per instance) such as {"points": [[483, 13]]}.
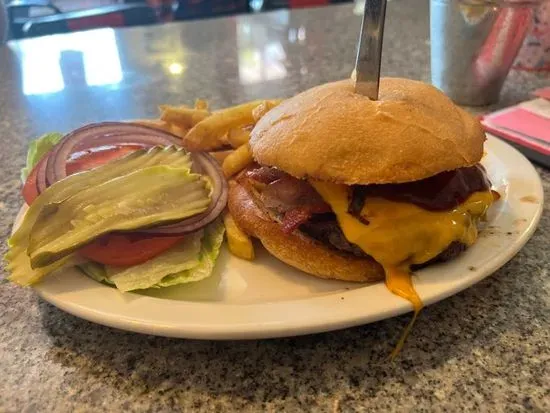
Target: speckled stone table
{"points": [[486, 349]]}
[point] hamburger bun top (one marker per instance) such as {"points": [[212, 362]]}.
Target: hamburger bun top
{"points": [[331, 133]]}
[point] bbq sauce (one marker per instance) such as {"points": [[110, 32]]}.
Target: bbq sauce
{"points": [[441, 192]]}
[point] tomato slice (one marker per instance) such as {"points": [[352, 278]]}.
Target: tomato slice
{"points": [[30, 191], [92, 158], [124, 250]]}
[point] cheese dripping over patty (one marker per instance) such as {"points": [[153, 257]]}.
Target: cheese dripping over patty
{"points": [[400, 234]]}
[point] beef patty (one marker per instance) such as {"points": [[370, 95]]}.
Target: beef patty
{"points": [[298, 207]]}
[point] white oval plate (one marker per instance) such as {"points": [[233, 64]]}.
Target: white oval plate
{"points": [[266, 298]]}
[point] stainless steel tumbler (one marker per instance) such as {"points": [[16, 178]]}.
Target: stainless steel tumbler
{"points": [[473, 46]]}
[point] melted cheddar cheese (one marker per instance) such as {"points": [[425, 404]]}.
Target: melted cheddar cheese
{"points": [[399, 234], [399, 282]]}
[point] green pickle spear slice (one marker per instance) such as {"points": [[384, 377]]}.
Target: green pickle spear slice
{"points": [[151, 196], [17, 260]]}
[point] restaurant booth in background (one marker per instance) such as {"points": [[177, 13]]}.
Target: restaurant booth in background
{"points": [[30, 18], [195, 9], [192, 9]]}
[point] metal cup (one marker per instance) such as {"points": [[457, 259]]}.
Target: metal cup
{"points": [[473, 46]]}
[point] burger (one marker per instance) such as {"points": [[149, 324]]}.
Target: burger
{"points": [[347, 188]]}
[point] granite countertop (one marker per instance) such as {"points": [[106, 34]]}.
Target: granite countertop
{"points": [[485, 349]]}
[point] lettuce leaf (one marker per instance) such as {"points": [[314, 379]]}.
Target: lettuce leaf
{"points": [[95, 271], [211, 244], [190, 261], [181, 257], [37, 149]]}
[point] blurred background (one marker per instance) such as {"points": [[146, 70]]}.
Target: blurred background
{"points": [[31, 18]]}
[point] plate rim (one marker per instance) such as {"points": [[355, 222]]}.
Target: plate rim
{"points": [[271, 328]]}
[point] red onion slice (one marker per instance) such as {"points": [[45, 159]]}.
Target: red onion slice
{"points": [[54, 168], [210, 167], [41, 183], [98, 134]]}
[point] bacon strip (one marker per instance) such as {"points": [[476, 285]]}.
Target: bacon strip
{"points": [[298, 216], [295, 199], [265, 174], [294, 218], [289, 193]]}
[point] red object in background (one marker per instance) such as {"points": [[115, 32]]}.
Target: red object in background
{"points": [[525, 122], [164, 8], [535, 53], [502, 43], [543, 93], [297, 4], [529, 131], [90, 22]]}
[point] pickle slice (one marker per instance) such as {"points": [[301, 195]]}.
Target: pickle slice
{"points": [[152, 196], [17, 260]]}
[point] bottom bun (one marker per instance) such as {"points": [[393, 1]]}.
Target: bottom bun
{"points": [[297, 249]]}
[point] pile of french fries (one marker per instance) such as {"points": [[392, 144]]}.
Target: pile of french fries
{"points": [[224, 134]]}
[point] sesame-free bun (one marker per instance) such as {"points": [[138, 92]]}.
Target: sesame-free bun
{"points": [[297, 249], [331, 133]]}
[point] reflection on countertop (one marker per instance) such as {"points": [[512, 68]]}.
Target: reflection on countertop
{"points": [[48, 64], [111, 74], [107, 58]]}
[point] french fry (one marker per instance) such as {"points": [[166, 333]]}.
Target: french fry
{"points": [[221, 155], [223, 142], [260, 110], [238, 137], [206, 135], [237, 161], [178, 130], [181, 115], [154, 123], [238, 242], [201, 104]]}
